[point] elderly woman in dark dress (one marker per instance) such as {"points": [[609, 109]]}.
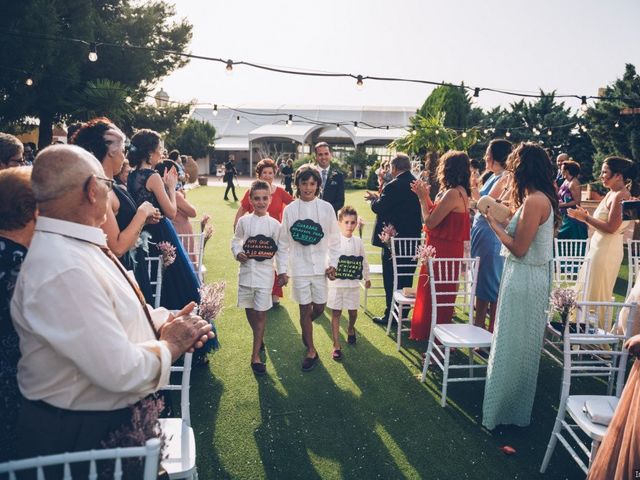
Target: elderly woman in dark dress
{"points": [[17, 222], [125, 220]]}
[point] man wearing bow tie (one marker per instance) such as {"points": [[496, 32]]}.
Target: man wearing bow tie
{"points": [[332, 179]]}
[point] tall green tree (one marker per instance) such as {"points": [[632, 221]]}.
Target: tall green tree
{"points": [[33, 34], [614, 132], [193, 138], [165, 120]]}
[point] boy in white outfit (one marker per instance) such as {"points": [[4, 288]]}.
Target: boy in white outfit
{"points": [[344, 287], [254, 245], [308, 250]]}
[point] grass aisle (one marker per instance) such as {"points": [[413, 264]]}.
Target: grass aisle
{"points": [[367, 417]]}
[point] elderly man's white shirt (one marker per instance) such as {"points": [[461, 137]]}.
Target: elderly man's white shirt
{"points": [[84, 338]]}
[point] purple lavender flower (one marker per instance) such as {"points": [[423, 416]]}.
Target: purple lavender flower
{"points": [[168, 253], [211, 300]]}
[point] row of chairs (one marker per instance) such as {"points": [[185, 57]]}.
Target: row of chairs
{"points": [[592, 346]]}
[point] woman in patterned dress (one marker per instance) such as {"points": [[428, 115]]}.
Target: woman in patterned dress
{"points": [[17, 222], [525, 287]]}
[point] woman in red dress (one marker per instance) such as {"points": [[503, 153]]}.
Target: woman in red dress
{"points": [[447, 227], [266, 171]]}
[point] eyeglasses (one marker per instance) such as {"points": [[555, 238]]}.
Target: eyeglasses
{"points": [[108, 181]]}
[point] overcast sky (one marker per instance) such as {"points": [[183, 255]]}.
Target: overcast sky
{"points": [[571, 46]]}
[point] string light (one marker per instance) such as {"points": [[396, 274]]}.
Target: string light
{"points": [[437, 132], [237, 119], [549, 132], [355, 127], [476, 95], [215, 110], [359, 83], [229, 67], [28, 82], [617, 124], [290, 120], [464, 134], [508, 134], [486, 130], [583, 104], [230, 63], [93, 52], [337, 126], [128, 99]]}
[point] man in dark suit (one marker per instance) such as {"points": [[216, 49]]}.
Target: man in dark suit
{"points": [[332, 179], [397, 205]]}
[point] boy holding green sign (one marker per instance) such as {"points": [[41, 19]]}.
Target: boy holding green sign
{"points": [[308, 250], [344, 288]]}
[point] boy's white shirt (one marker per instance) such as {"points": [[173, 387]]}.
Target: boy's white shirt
{"points": [[352, 246], [253, 273], [299, 260]]}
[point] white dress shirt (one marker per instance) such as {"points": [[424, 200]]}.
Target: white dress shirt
{"points": [[300, 260], [85, 341], [352, 247], [254, 273]]}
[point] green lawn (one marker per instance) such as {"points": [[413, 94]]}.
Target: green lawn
{"points": [[367, 417]]}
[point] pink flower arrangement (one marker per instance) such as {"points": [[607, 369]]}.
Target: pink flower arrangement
{"points": [[563, 301], [387, 233], [168, 253], [211, 300], [424, 253], [208, 233]]}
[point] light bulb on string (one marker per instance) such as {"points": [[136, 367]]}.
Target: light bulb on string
{"points": [[359, 83], [549, 132], [355, 127], [128, 99], [485, 131], [464, 134], [617, 124], [290, 120], [237, 119], [215, 110], [229, 67], [476, 96], [583, 105], [28, 82], [437, 132], [337, 126], [93, 52], [508, 134]]}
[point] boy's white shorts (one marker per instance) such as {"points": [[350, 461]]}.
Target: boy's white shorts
{"points": [[309, 289], [257, 298], [343, 298]]}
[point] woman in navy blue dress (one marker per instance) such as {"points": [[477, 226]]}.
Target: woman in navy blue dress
{"points": [[125, 220], [179, 281]]}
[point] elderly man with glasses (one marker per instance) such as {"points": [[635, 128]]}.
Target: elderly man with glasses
{"points": [[91, 346], [11, 151]]}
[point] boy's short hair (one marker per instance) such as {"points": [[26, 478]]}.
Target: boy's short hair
{"points": [[347, 210], [259, 185], [305, 172]]}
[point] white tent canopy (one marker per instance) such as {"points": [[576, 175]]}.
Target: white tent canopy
{"points": [[297, 132], [232, 144]]}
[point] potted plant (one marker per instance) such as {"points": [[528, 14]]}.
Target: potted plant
{"points": [[202, 180]]}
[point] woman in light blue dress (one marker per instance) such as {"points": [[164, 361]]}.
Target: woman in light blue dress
{"points": [[525, 287], [484, 243]]}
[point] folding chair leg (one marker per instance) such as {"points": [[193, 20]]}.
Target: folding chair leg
{"points": [[594, 450], [399, 327], [557, 426], [471, 358], [445, 377], [390, 319], [427, 357]]}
